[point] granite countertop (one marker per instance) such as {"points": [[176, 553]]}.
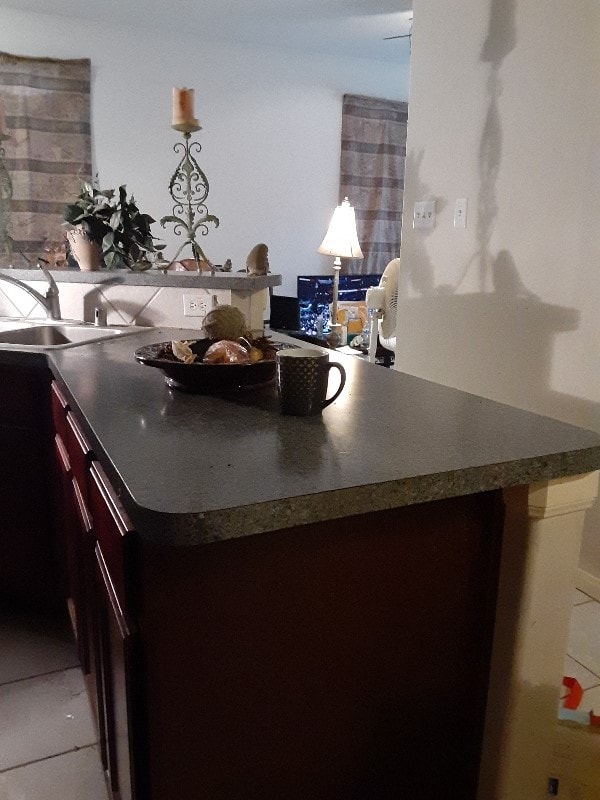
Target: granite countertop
{"points": [[194, 469], [234, 281]]}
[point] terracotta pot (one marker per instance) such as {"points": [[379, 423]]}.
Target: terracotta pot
{"points": [[87, 253]]}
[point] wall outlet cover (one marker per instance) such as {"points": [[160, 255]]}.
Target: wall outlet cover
{"points": [[424, 214], [194, 305]]}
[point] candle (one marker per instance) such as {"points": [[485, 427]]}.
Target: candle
{"points": [[183, 107]]}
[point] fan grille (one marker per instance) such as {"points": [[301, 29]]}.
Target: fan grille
{"points": [[389, 282]]}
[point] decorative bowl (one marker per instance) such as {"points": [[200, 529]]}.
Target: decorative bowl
{"points": [[203, 378]]}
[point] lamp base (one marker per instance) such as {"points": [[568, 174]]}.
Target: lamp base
{"points": [[335, 336]]}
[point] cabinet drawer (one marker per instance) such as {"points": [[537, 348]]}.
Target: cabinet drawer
{"points": [[113, 531], [60, 408], [80, 454]]}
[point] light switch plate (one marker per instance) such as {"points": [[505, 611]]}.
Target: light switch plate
{"points": [[460, 212], [424, 214]]}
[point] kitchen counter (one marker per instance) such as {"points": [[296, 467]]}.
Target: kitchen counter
{"points": [[408, 556], [193, 468]]}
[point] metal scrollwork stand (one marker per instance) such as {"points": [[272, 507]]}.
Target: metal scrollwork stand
{"points": [[6, 192], [189, 189]]}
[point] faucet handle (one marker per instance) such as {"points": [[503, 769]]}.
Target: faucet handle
{"points": [[42, 264], [52, 300]]}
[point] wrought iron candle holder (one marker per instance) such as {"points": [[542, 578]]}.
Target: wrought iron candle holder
{"points": [[189, 189], [6, 192]]}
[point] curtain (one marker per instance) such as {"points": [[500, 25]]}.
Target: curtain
{"points": [[45, 109], [372, 176]]}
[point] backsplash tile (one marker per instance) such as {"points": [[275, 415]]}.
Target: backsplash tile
{"points": [[14, 302], [123, 304], [131, 304]]}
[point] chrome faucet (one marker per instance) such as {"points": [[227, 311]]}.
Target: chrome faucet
{"points": [[49, 302]]}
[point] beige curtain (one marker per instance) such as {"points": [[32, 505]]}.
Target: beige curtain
{"points": [[46, 110], [372, 176]]}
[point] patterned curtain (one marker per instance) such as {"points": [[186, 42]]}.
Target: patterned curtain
{"points": [[372, 176], [45, 109]]}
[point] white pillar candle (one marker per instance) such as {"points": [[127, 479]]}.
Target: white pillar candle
{"points": [[183, 107]]}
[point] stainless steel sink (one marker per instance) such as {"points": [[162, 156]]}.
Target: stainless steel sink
{"points": [[38, 335]]}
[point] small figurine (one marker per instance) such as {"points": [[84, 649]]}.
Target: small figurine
{"points": [[257, 262], [161, 263], [227, 266]]}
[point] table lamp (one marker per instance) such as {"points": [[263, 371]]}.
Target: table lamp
{"points": [[341, 241]]}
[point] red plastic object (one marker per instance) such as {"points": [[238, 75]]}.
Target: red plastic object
{"points": [[573, 699]]}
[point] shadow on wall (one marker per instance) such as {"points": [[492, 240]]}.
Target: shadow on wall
{"points": [[498, 344], [498, 341]]}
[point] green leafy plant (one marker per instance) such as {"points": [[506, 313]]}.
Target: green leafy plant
{"points": [[114, 222]]}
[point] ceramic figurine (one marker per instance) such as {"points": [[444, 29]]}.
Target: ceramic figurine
{"points": [[257, 262]]}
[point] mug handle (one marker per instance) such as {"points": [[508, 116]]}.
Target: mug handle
{"points": [[342, 371]]}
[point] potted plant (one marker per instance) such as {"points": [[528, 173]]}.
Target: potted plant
{"points": [[113, 224]]}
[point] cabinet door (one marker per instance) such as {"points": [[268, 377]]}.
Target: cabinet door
{"points": [[83, 547], [65, 531], [80, 454], [115, 640], [114, 670], [60, 408], [28, 568], [75, 542]]}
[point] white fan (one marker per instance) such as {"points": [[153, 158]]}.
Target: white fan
{"points": [[382, 303]]}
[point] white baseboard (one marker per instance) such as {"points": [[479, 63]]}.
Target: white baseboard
{"points": [[589, 584]]}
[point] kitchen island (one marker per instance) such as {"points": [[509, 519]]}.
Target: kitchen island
{"points": [[371, 603]]}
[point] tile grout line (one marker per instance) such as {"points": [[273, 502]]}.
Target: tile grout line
{"points": [[591, 671], [47, 758], [38, 675], [589, 688]]}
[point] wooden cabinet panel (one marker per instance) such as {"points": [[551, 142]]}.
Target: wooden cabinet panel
{"points": [[94, 536], [84, 549], [65, 529], [24, 397], [116, 642], [80, 454], [112, 529], [115, 659], [28, 566], [330, 661], [60, 408]]}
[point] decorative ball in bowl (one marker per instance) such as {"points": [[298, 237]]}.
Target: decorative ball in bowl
{"points": [[187, 365]]}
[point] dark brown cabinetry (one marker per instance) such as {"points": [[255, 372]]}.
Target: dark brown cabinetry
{"points": [[115, 635], [29, 570], [95, 535], [331, 661]]}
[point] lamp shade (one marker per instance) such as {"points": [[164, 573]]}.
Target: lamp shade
{"points": [[341, 239]]}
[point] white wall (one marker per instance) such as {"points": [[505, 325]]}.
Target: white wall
{"points": [[271, 128], [505, 110]]}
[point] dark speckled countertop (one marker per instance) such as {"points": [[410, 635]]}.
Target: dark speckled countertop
{"points": [[193, 469]]}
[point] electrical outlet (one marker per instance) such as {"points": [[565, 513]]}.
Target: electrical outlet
{"points": [[194, 305], [424, 214]]}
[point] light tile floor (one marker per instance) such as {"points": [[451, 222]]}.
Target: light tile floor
{"points": [[583, 650], [48, 743], [48, 746]]}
